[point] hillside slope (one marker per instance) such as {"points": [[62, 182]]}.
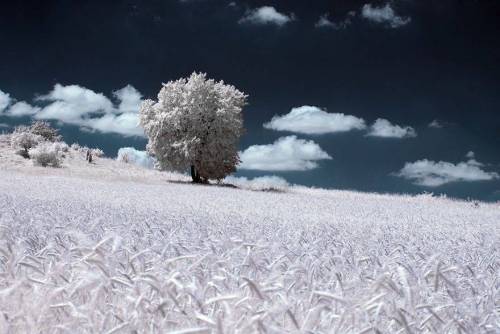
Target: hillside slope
{"points": [[112, 248]]}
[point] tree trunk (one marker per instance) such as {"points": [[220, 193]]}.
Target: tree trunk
{"points": [[194, 175]]}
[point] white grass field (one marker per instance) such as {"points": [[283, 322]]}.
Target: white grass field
{"points": [[112, 248]]}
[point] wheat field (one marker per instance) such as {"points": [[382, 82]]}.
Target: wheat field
{"points": [[102, 250]]}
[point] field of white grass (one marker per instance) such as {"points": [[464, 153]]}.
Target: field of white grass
{"points": [[112, 248]]}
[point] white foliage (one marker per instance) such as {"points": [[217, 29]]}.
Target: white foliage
{"points": [[61, 146], [44, 129], [47, 154], [97, 152], [75, 147], [195, 122], [22, 140]]}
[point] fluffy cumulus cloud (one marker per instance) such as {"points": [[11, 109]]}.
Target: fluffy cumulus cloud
{"points": [[21, 108], [136, 157], [429, 173], [383, 15], [4, 101], [130, 99], [266, 15], [77, 105], [72, 103], [285, 154], [11, 107], [385, 129], [313, 120]]}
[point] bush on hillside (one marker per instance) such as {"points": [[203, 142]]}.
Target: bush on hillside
{"points": [[97, 152], [47, 154], [43, 128], [22, 140]]}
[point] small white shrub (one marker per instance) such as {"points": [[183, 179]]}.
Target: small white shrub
{"points": [[22, 140], [46, 154], [97, 152], [61, 146], [75, 147]]}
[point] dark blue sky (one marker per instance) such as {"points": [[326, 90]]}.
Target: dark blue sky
{"points": [[440, 62]]}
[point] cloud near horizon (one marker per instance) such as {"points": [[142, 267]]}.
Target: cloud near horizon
{"points": [[285, 154], [383, 15], [80, 106], [385, 129], [313, 120], [429, 173], [266, 182], [136, 157], [266, 15]]}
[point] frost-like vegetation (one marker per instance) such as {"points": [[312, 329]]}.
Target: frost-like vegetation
{"points": [[261, 183], [43, 128], [22, 140], [125, 257], [97, 152], [48, 154], [196, 123]]}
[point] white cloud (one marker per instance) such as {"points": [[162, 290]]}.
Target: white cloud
{"points": [[325, 22], [384, 15], [435, 124], [470, 155], [71, 103], [126, 124], [20, 109], [136, 157], [81, 106], [266, 15], [130, 99], [313, 120], [285, 154], [433, 174], [5, 100], [384, 128]]}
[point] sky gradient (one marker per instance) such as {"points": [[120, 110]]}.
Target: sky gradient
{"points": [[385, 96]]}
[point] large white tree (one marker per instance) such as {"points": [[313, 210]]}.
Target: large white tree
{"points": [[196, 123]]}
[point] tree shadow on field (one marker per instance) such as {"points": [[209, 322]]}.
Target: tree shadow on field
{"points": [[228, 185], [222, 185]]}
